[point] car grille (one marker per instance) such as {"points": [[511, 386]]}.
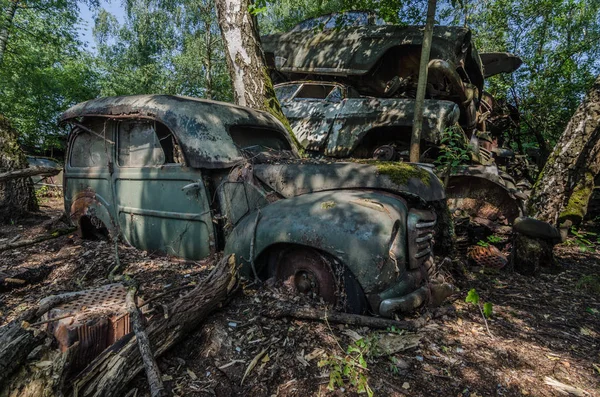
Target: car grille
{"points": [[421, 225]]}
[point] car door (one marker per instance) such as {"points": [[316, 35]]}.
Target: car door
{"points": [[312, 111], [162, 205], [87, 183]]}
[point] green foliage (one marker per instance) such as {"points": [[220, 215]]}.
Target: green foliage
{"points": [[163, 48], [590, 283], [352, 367], [493, 239], [586, 241], [454, 150], [487, 309], [45, 70], [560, 53], [473, 297]]}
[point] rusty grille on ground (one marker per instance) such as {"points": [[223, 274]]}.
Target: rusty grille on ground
{"points": [[94, 320]]}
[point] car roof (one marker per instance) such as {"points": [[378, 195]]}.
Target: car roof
{"points": [[201, 126]]}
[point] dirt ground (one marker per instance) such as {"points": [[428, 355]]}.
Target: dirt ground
{"points": [[543, 329]]}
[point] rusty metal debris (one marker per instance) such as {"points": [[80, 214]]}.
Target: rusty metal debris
{"points": [[487, 256]]}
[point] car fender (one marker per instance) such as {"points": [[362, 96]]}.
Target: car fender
{"points": [[88, 203], [357, 227]]}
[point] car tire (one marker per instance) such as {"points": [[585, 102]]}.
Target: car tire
{"points": [[309, 271]]}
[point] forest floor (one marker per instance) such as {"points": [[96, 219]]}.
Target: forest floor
{"points": [[544, 329]]}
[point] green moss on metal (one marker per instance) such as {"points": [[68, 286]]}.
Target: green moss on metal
{"points": [[578, 201], [400, 173], [327, 204]]}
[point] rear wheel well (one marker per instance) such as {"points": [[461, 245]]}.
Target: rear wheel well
{"points": [[92, 228]]}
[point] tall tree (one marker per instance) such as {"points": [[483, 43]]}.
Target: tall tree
{"points": [[246, 62], [252, 86], [560, 53], [562, 192], [5, 26]]}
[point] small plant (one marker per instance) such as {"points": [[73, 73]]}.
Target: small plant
{"points": [[394, 330], [493, 239], [42, 194], [486, 310], [454, 151], [393, 366], [590, 283], [352, 367], [584, 240]]}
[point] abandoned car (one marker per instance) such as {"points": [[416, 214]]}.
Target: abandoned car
{"points": [[191, 177], [347, 84]]}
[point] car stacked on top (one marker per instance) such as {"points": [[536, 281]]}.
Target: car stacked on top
{"points": [[347, 83]]}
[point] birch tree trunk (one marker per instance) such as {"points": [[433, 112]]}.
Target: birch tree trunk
{"points": [[5, 26], [246, 62], [562, 192]]}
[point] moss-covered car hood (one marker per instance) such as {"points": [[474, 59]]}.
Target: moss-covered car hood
{"points": [[297, 178]]}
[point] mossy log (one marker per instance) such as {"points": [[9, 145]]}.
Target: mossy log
{"points": [[565, 185], [531, 255]]}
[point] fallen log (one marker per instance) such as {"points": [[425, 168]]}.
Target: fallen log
{"points": [[309, 313], [39, 239], [110, 372], [27, 172]]}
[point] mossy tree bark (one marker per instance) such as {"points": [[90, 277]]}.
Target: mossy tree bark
{"points": [[565, 185], [16, 196], [246, 62]]}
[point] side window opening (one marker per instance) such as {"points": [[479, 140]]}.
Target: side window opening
{"points": [[285, 92], [314, 91], [146, 144], [91, 146], [258, 139]]}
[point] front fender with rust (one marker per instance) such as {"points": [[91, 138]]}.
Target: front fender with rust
{"points": [[364, 230]]}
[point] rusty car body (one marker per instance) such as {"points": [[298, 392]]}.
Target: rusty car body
{"points": [[191, 177], [347, 83]]}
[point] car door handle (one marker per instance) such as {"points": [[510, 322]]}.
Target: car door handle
{"points": [[195, 185]]}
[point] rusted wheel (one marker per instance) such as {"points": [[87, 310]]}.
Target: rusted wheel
{"points": [[307, 272], [313, 273]]}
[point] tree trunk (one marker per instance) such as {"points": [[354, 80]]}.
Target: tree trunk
{"points": [[6, 25], [16, 196], [415, 139], [246, 62], [561, 194]]}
